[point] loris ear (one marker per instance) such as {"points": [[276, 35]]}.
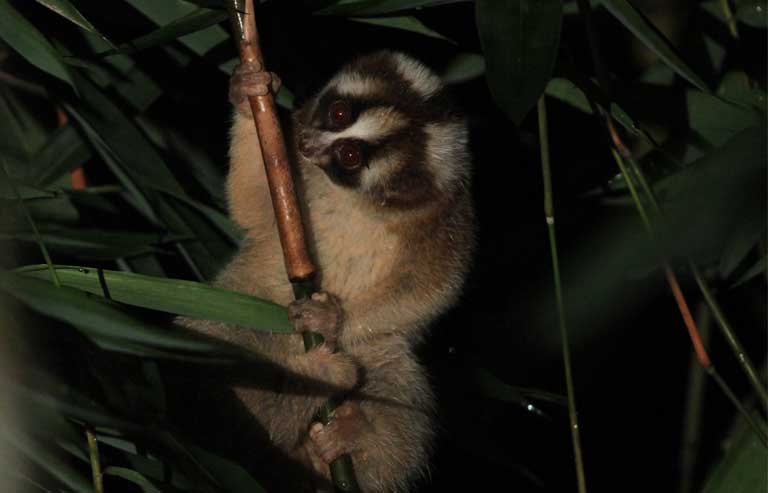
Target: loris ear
{"points": [[248, 192]]}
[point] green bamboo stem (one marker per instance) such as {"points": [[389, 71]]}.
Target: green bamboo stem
{"points": [[620, 155], [722, 322], [93, 452], [35, 231], [696, 389], [730, 336], [549, 216]]}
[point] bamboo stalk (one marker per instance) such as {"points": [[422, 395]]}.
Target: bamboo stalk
{"points": [[93, 452], [549, 216], [298, 264], [722, 322], [621, 153]]}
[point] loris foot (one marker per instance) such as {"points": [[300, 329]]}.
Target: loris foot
{"points": [[321, 313], [341, 435], [249, 79]]}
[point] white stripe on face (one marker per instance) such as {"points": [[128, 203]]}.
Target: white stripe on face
{"points": [[371, 125], [421, 79], [354, 84]]}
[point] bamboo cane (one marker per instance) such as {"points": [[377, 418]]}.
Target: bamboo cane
{"points": [[298, 264]]}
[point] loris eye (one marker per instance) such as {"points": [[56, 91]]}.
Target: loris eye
{"points": [[340, 114], [349, 155]]}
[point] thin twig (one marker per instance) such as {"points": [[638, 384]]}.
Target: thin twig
{"points": [[549, 216], [93, 452]]}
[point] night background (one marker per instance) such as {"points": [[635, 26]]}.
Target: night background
{"points": [[114, 143]]}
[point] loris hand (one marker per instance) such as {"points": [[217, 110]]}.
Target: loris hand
{"points": [[321, 313], [341, 435], [249, 79]]}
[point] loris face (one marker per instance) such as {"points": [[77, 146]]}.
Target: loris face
{"points": [[383, 127]]}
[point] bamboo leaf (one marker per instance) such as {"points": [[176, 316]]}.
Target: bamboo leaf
{"points": [[168, 11], [22, 133], [195, 21], [63, 151], [30, 43], [573, 95], [758, 268], [231, 476], [91, 243], [176, 296], [642, 28], [742, 469], [463, 67], [54, 465], [404, 23], [753, 13], [146, 485], [102, 320], [520, 41], [378, 7], [65, 9]]}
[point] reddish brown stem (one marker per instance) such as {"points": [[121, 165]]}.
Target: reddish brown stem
{"points": [[693, 331]]}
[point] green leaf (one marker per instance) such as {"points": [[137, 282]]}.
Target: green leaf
{"points": [[65, 9], [93, 244], [758, 268], [146, 485], [169, 11], [573, 95], [22, 133], [742, 469], [715, 196], [104, 321], [30, 43], [176, 296], [463, 67], [645, 31], [493, 387], [520, 41], [739, 243], [64, 150], [195, 21], [404, 23], [378, 7], [715, 120], [51, 463], [231, 476], [752, 13], [736, 87]]}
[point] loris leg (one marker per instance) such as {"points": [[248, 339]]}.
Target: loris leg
{"points": [[249, 79]]}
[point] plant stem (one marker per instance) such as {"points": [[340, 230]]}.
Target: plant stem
{"points": [[620, 153], [730, 336], [730, 19], [549, 216], [693, 407], [93, 450], [35, 231]]}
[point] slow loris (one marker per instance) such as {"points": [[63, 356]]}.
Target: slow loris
{"points": [[383, 168]]}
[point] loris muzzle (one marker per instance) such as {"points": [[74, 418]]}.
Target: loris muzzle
{"points": [[383, 171]]}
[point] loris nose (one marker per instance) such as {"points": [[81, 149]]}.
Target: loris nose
{"points": [[307, 145]]}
